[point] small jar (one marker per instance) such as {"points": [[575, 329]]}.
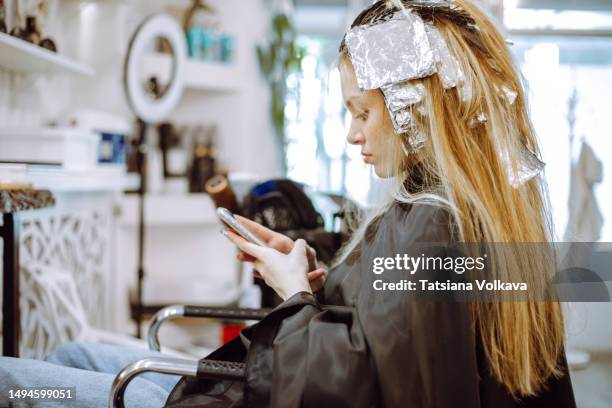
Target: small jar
{"points": [[32, 34]]}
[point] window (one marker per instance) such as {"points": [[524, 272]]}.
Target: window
{"points": [[317, 124], [566, 58]]}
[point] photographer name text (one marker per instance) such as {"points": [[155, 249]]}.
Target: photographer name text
{"points": [[457, 265]]}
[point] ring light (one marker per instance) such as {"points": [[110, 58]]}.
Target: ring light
{"points": [[153, 110]]}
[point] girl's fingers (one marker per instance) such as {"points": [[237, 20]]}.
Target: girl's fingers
{"points": [[316, 274], [311, 254], [244, 245], [318, 283], [274, 239], [300, 254], [299, 248], [244, 257], [316, 279], [257, 229], [259, 266]]}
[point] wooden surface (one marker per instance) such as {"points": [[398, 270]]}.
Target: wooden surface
{"points": [[14, 200]]}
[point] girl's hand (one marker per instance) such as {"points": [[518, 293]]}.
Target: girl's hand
{"points": [[278, 241], [317, 279], [285, 273]]}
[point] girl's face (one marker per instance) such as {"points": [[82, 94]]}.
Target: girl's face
{"points": [[371, 126]]}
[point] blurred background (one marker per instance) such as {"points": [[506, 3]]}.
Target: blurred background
{"points": [[257, 99]]}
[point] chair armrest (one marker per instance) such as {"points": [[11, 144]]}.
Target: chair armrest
{"points": [[156, 364], [226, 313], [177, 311], [213, 369]]}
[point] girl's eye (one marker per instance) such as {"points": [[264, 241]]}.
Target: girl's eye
{"points": [[362, 116]]}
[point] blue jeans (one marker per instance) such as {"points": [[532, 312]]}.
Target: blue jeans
{"points": [[91, 368]]}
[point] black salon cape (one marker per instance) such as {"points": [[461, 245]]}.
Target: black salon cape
{"points": [[352, 346]]}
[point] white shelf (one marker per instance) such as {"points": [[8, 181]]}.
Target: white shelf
{"points": [[199, 75], [21, 56], [170, 210], [71, 147], [103, 178]]}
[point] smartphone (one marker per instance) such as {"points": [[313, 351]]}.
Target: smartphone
{"points": [[228, 219]]}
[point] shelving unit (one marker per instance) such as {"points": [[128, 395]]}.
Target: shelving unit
{"points": [[21, 56], [199, 75], [170, 210], [102, 178]]}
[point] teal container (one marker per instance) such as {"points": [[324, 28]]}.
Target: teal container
{"points": [[227, 48], [194, 42]]}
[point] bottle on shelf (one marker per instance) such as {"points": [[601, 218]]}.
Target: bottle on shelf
{"points": [[173, 152], [203, 165], [222, 194], [3, 27], [32, 33]]}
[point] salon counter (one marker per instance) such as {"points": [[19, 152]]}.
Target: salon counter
{"points": [[13, 201], [100, 179], [65, 255]]}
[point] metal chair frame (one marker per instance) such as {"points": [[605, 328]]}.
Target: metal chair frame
{"points": [[211, 369]]}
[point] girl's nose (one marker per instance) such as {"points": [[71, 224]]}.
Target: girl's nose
{"points": [[355, 137]]}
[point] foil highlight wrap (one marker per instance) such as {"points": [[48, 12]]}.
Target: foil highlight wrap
{"points": [[478, 119], [388, 55], [509, 94], [527, 166], [390, 52], [399, 96], [417, 140], [447, 65], [402, 120]]}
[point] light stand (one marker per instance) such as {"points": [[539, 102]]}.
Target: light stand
{"points": [[150, 106]]}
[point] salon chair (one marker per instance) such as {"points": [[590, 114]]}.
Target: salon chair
{"points": [[280, 205], [209, 369]]}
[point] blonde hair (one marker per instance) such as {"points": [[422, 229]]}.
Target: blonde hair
{"points": [[463, 172]]}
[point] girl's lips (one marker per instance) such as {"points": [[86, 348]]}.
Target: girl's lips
{"points": [[367, 158]]}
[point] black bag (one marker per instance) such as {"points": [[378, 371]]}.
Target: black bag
{"points": [[283, 206]]}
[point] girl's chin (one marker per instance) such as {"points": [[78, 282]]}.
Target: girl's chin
{"points": [[382, 173]]}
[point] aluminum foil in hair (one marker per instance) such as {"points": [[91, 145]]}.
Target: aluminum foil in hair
{"points": [[403, 94], [509, 94], [527, 166], [417, 139], [403, 121], [387, 55], [390, 52], [478, 119], [448, 68], [399, 98], [404, 124], [465, 91]]}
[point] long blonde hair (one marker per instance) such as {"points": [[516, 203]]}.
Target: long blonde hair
{"points": [[463, 172]]}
